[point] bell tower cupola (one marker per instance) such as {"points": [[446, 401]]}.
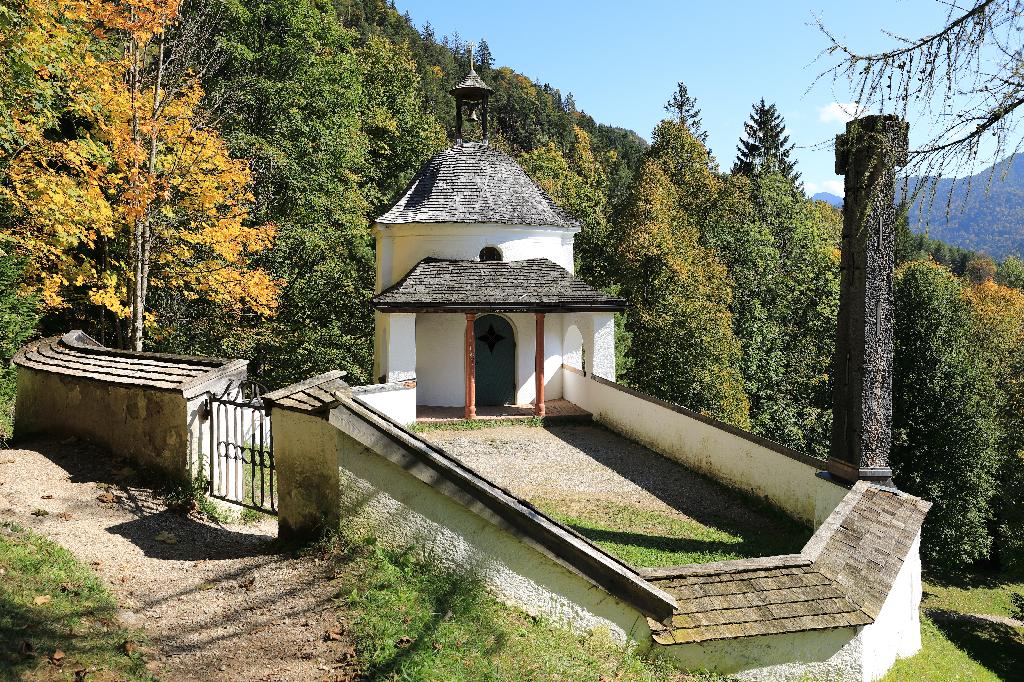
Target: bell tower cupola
{"points": [[471, 101]]}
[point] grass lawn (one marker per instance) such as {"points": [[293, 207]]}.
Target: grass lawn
{"points": [[646, 538], [964, 649], [56, 618], [412, 622]]}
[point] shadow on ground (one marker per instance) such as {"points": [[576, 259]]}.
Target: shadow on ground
{"points": [[998, 647], [186, 537], [698, 497]]}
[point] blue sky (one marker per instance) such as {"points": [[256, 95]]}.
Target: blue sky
{"points": [[621, 60]]}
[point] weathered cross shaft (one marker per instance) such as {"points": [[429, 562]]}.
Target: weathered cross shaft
{"points": [[868, 155]]}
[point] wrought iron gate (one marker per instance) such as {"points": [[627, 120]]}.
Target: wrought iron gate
{"points": [[241, 458]]}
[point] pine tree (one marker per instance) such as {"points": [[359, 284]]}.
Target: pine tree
{"points": [[684, 109], [484, 58], [765, 146], [428, 33]]}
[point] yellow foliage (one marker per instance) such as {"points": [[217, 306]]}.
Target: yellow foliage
{"points": [[79, 202]]}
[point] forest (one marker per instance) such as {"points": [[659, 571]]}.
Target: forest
{"points": [[202, 177]]}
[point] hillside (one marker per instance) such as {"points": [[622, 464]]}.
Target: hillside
{"points": [[983, 213]]}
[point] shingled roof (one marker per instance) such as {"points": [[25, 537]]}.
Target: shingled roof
{"points": [[79, 355], [473, 182], [840, 579], [536, 284], [314, 395]]}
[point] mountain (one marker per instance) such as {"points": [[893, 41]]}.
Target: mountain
{"points": [[829, 198], [985, 211]]}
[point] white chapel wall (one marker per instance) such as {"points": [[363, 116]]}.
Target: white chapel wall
{"points": [[400, 247], [440, 353]]}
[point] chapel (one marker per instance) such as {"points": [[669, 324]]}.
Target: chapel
{"points": [[476, 301]]}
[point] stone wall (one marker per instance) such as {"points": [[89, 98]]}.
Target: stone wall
{"points": [[144, 406], [149, 426]]}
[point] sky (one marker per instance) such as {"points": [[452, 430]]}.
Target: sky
{"points": [[621, 60]]}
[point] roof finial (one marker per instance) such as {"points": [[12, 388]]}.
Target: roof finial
{"points": [[470, 46]]}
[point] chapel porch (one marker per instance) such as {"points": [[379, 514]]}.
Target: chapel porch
{"points": [[491, 338]]}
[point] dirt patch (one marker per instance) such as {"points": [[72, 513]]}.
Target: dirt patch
{"points": [[217, 601]]}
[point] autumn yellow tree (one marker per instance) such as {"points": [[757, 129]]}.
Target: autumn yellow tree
{"points": [[130, 187], [678, 290]]}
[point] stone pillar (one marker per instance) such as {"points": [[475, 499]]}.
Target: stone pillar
{"points": [[538, 365], [470, 366], [868, 155], [400, 364]]}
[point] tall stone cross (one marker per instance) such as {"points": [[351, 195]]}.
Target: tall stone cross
{"points": [[868, 155]]}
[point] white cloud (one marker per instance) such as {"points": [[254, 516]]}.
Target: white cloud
{"points": [[840, 112], [830, 186]]}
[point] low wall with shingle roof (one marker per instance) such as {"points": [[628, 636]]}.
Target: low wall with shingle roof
{"points": [[144, 406], [844, 608]]}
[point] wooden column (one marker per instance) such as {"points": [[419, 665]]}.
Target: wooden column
{"points": [[538, 366], [470, 366]]}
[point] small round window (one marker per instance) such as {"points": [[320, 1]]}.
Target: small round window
{"points": [[490, 253]]}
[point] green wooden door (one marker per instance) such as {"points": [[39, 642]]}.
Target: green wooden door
{"points": [[495, 361]]}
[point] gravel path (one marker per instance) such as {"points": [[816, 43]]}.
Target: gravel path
{"points": [[215, 601], [588, 463]]}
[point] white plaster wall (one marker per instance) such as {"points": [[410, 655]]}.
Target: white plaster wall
{"points": [[441, 359], [835, 655], [380, 499], [440, 352], [787, 483], [397, 402], [400, 247], [896, 632], [399, 362]]}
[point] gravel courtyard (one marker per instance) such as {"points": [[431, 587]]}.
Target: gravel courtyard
{"points": [[618, 492], [216, 601]]}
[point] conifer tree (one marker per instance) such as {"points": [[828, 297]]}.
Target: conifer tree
{"points": [[484, 58], [765, 146], [684, 108]]}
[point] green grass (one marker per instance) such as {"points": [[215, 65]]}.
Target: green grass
{"points": [[475, 424], [645, 538], [414, 622], [962, 649], [995, 594], [959, 651], [48, 603]]}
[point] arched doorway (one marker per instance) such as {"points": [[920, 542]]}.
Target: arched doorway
{"points": [[495, 361]]}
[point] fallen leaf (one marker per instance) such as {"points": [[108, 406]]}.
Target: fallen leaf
{"points": [[40, 512], [47, 497], [129, 647], [42, 599], [57, 656], [207, 586], [167, 539], [64, 516], [107, 497], [334, 635]]}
